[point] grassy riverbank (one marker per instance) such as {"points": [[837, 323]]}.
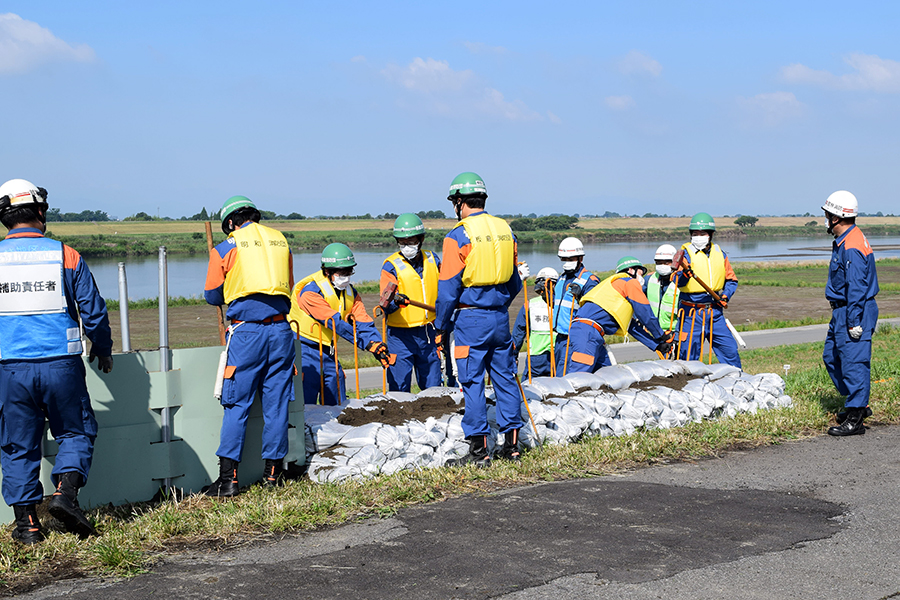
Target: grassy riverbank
{"points": [[133, 536], [111, 239]]}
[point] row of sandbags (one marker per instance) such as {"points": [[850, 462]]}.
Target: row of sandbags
{"points": [[564, 409]]}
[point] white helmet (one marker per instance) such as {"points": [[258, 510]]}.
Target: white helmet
{"points": [[842, 204], [16, 192], [665, 252], [570, 247], [548, 273]]}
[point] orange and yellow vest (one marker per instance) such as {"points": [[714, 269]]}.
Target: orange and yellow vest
{"points": [[421, 289], [612, 301], [711, 269], [310, 328], [261, 264], [492, 258]]}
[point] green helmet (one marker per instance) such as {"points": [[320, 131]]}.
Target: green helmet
{"points": [[702, 222], [337, 256], [465, 184], [408, 225], [628, 262], [232, 204]]}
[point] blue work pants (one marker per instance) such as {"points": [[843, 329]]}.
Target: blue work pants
{"points": [[263, 359], [314, 372], [848, 361], [483, 342], [587, 350], [723, 343], [540, 365], [34, 391], [413, 348]]}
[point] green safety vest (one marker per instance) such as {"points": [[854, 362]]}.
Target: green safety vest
{"points": [[539, 327], [662, 307]]}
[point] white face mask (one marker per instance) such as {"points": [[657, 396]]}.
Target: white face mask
{"points": [[340, 282], [699, 241], [409, 252], [664, 270], [570, 265]]}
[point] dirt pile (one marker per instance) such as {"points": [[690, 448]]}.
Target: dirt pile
{"points": [[675, 382], [391, 412]]}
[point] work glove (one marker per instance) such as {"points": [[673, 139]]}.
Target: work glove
{"points": [[439, 342], [105, 363], [381, 353], [576, 291], [724, 302], [856, 332], [401, 299], [524, 271], [664, 347]]}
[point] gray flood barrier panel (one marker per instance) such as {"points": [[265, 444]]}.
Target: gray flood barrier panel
{"points": [[130, 461]]}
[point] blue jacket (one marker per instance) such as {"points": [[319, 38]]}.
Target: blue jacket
{"points": [[851, 276]]}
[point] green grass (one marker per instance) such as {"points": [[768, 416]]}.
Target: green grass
{"points": [[132, 536]]}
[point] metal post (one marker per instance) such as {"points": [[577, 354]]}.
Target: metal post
{"points": [[123, 309], [165, 413]]}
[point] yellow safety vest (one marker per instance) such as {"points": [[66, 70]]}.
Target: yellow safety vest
{"points": [[421, 289], [711, 269], [609, 299], [309, 328], [261, 263], [492, 258]]}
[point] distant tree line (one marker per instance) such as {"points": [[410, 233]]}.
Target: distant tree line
{"points": [[54, 215], [548, 223]]}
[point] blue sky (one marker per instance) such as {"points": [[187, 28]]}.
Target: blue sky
{"points": [[347, 108]]}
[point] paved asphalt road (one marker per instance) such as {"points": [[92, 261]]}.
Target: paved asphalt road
{"points": [[371, 378], [811, 519]]}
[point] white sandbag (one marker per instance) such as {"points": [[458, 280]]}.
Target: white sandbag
{"points": [[554, 435], [720, 370], [532, 393], [328, 434], [784, 401], [674, 367], [538, 412], [644, 370], [696, 368], [367, 461], [715, 394], [331, 466], [527, 436], [647, 404], [361, 436], [404, 462], [427, 433], [576, 418], [583, 381], [679, 402], [695, 389], [452, 425], [621, 427], [668, 418], [616, 377], [738, 387], [552, 386], [317, 414], [392, 441]]}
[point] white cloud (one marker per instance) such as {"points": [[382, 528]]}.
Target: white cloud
{"points": [[770, 109], [358, 59], [619, 102], [638, 62], [455, 93], [25, 45], [871, 73], [482, 48], [553, 118]]}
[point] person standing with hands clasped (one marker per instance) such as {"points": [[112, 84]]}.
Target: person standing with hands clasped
{"points": [[47, 286], [851, 290], [478, 281]]}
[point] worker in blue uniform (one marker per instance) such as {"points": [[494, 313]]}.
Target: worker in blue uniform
{"points": [[45, 287], [478, 282], [615, 306], [252, 272], [325, 304], [703, 314], [565, 306], [410, 329], [851, 290], [535, 326]]}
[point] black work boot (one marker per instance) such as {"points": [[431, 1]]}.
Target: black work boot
{"points": [[274, 474], [478, 454], [852, 425], [510, 448], [226, 485], [28, 528], [842, 416], [63, 505]]}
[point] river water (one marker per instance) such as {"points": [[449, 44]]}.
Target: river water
{"points": [[187, 274]]}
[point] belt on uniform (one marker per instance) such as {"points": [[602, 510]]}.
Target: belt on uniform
{"points": [[837, 304], [695, 305], [275, 319], [591, 323]]}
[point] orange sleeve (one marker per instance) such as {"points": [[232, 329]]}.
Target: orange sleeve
{"points": [[315, 306], [358, 310], [71, 257], [729, 272], [386, 278], [453, 258], [631, 289]]}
